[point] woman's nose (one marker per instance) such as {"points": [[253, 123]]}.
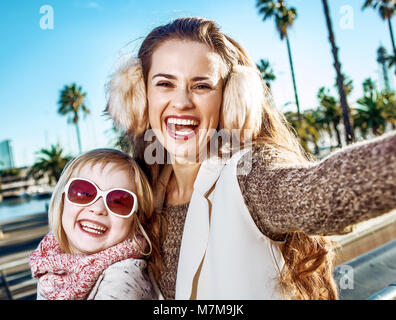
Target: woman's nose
{"points": [[182, 99], [98, 207]]}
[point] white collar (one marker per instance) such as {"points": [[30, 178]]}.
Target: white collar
{"points": [[196, 227]]}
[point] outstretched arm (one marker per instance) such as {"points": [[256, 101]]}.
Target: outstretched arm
{"points": [[349, 186]]}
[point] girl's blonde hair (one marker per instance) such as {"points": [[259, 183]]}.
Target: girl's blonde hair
{"points": [[144, 216], [247, 105]]}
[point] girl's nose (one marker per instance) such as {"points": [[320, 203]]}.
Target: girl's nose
{"points": [[98, 207]]}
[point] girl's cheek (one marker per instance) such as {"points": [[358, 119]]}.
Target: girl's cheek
{"points": [[122, 228], [69, 216]]}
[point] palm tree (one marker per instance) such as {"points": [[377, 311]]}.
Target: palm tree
{"points": [[51, 162], [266, 72], [369, 116], [312, 127], [71, 102], [375, 109], [122, 140], [330, 113], [297, 124], [284, 18], [369, 86], [391, 61], [350, 137], [388, 103], [386, 9], [307, 128], [348, 84]]}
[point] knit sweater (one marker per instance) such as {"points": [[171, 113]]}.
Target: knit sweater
{"points": [[319, 198]]}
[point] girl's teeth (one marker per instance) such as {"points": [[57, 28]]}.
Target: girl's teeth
{"points": [[92, 230], [90, 227]]}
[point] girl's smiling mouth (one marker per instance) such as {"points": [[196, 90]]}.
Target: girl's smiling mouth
{"points": [[182, 127], [93, 228]]}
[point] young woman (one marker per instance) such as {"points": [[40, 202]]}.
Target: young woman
{"points": [[251, 227]]}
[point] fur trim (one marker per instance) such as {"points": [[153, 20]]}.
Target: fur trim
{"points": [[127, 103], [242, 109]]}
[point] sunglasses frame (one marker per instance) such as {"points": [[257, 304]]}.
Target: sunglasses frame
{"points": [[103, 194]]}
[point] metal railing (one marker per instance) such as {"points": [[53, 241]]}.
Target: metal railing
{"points": [[16, 281], [18, 237], [388, 293], [370, 276], [24, 223]]}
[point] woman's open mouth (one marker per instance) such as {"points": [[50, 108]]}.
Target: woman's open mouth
{"points": [[182, 127]]}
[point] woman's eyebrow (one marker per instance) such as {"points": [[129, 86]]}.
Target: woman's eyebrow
{"points": [[170, 76], [165, 75], [200, 78]]}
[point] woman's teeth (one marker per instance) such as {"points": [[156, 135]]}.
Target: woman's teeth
{"points": [[91, 227], [182, 127], [183, 133], [182, 121]]}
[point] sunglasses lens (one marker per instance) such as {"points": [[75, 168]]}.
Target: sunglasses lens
{"points": [[120, 202], [81, 192]]}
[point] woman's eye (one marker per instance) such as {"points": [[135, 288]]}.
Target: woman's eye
{"points": [[203, 86], [164, 84]]}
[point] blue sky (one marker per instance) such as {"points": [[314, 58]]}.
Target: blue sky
{"points": [[89, 36]]}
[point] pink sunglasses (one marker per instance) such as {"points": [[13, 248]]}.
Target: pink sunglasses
{"points": [[118, 201]]}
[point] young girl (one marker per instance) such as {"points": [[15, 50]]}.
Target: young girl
{"points": [[97, 246]]}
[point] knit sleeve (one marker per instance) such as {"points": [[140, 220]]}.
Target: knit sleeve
{"points": [[327, 197], [124, 280]]}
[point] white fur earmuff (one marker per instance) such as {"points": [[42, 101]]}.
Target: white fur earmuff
{"points": [[243, 99], [127, 103]]}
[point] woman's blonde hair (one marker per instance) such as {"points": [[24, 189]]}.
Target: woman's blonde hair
{"points": [[145, 213], [247, 105]]}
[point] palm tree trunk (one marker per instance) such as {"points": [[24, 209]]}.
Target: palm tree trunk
{"points": [[294, 79], [393, 42], [374, 127], [316, 148], [350, 137], [78, 138], [335, 125]]}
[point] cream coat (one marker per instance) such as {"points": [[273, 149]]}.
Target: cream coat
{"points": [[221, 240]]}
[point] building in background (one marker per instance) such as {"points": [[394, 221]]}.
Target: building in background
{"points": [[6, 157]]}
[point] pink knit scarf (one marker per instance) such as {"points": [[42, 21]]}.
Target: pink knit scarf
{"points": [[72, 276]]}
